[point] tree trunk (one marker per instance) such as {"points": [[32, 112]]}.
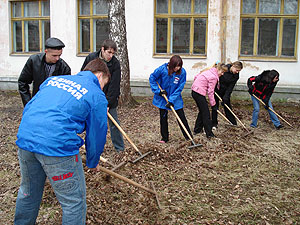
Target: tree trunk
{"points": [[117, 27]]}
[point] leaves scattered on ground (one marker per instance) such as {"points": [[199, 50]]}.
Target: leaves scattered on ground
{"points": [[236, 178]]}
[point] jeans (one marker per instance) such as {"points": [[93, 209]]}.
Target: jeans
{"points": [[115, 134], [273, 117], [66, 177]]}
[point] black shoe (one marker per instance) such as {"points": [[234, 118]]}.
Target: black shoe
{"points": [[211, 135], [279, 127]]}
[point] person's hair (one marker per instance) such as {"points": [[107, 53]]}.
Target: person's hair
{"points": [[222, 67], [97, 65], [269, 75], [218, 65], [237, 64], [109, 44], [175, 60]]}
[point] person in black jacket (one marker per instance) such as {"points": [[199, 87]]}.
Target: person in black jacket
{"points": [[227, 83], [111, 89], [41, 66], [263, 87]]}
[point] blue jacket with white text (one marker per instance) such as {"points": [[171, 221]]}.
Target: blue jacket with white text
{"points": [[64, 107], [173, 84]]}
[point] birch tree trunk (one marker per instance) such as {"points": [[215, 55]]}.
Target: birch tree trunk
{"points": [[117, 27]]}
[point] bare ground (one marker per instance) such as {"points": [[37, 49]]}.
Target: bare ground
{"points": [[232, 179]]}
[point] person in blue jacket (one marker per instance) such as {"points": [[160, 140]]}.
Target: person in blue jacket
{"points": [[171, 77], [48, 141]]}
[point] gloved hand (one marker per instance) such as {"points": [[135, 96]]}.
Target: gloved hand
{"points": [[169, 104], [163, 92], [215, 107]]}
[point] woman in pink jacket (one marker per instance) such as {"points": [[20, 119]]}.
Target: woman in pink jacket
{"points": [[205, 83]]}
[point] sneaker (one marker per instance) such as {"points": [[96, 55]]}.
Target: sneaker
{"points": [[162, 142], [214, 128], [279, 127]]}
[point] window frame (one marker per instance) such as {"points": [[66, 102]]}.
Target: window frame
{"points": [[39, 18], [281, 17], [169, 16], [91, 18]]}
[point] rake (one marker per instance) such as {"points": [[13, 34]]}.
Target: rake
{"points": [[181, 123], [272, 110], [129, 140], [248, 132]]}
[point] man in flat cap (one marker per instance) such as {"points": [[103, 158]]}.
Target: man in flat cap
{"points": [[41, 66]]}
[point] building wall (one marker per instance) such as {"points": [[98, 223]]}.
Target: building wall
{"points": [[140, 19]]}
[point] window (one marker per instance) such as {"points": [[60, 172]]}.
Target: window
{"points": [[269, 29], [180, 27], [93, 24], [30, 24]]}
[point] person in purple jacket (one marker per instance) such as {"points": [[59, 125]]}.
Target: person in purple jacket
{"points": [[171, 77], [204, 84], [48, 141]]}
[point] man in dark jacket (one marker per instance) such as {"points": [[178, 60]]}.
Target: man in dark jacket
{"points": [[112, 89], [227, 83], [41, 66], [263, 87]]}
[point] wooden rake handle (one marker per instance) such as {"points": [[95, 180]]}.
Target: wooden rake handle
{"points": [[123, 132], [103, 169], [177, 117], [271, 110], [221, 114], [231, 111]]}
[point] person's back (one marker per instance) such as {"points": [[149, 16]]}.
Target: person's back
{"points": [[49, 144], [58, 113]]}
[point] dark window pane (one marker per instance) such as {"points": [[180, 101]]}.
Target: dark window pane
{"points": [[46, 8], [32, 38], [85, 36], [290, 6], [181, 7], [161, 35], [17, 32], [101, 26], [31, 9], [100, 7], [247, 41], [288, 37], [162, 6], [16, 9], [84, 7], [45, 31], [180, 36], [269, 6], [199, 36], [268, 37], [200, 6], [249, 6]]}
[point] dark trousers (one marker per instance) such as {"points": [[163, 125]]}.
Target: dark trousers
{"points": [[228, 114], [203, 118], [164, 130]]}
